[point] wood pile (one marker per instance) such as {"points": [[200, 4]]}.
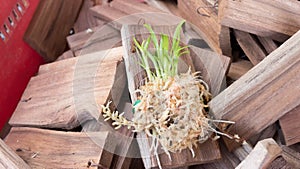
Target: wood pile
{"points": [[254, 45]]}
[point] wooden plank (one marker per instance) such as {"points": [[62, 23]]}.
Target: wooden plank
{"points": [[118, 15], [65, 97], [251, 16], [279, 163], [262, 155], [291, 156], [85, 19], [57, 149], [250, 47], [268, 44], [254, 101], [132, 6], [94, 39], [215, 68], [268, 132], [66, 55], [228, 160], [216, 36], [205, 152], [50, 26], [239, 68], [9, 159], [290, 126]]}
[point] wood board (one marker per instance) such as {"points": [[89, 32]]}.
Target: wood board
{"points": [[50, 26], [264, 94], [9, 159], [69, 95], [216, 36], [274, 19], [290, 126], [42, 148]]}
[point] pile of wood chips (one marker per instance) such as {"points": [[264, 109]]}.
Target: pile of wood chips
{"points": [[255, 45]]}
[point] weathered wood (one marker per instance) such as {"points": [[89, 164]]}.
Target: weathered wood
{"points": [[262, 155], [50, 26], [66, 55], [279, 163], [42, 148], [291, 156], [268, 44], [66, 96], [205, 152], [228, 160], [290, 126], [250, 47], [265, 18], [118, 15], [192, 37], [216, 36], [268, 132], [255, 101], [211, 65], [9, 159], [85, 19], [132, 6], [94, 39], [239, 68]]}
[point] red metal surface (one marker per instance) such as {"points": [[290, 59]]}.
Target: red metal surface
{"points": [[18, 62]]}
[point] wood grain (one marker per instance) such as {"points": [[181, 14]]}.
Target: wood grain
{"points": [[268, 44], [272, 19], [250, 47], [42, 148], [95, 39], [85, 19], [205, 152], [239, 68], [69, 93], [264, 94], [262, 155], [9, 159], [216, 36], [50, 26], [290, 126]]}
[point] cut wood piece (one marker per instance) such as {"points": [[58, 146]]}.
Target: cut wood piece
{"points": [[204, 16], [239, 68], [291, 156], [94, 39], [228, 160], [9, 159], [57, 149], [132, 6], [117, 17], [251, 16], [268, 132], [166, 6], [192, 37], [262, 155], [68, 95], [268, 44], [290, 126], [66, 55], [85, 19], [205, 152], [250, 47], [50, 26], [213, 66], [264, 94], [279, 163]]}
